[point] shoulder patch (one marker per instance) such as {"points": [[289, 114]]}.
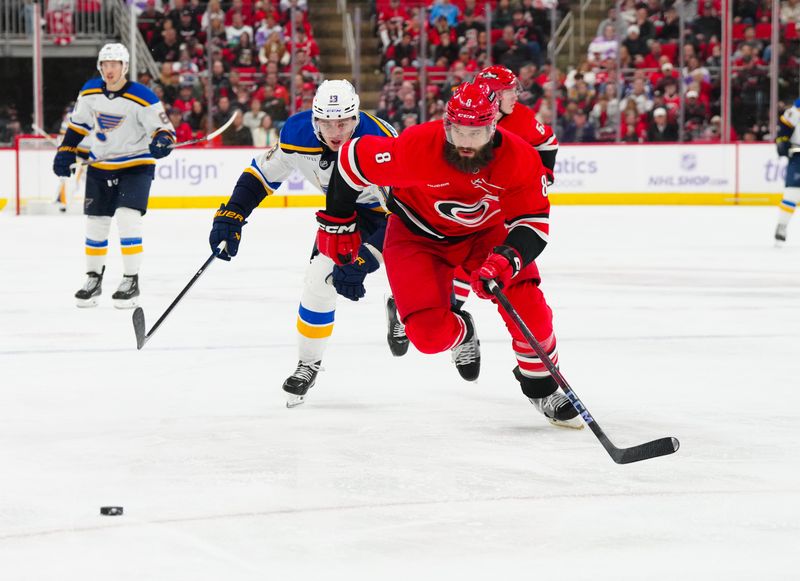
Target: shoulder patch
{"points": [[297, 135], [140, 94], [91, 84]]}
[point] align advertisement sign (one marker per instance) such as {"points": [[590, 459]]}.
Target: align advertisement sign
{"points": [[585, 174]]}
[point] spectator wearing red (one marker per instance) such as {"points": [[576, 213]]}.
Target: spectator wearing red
{"points": [[150, 23], [183, 132], [185, 99]]}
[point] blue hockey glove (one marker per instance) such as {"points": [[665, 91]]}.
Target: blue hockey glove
{"points": [[349, 279], [160, 146], [227, 227], [63, 161]]}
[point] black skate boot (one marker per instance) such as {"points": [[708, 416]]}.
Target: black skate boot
{"points": [[93, 288], [555, 406], [127, 295], [780, 235], [398, 341], [467, 354], [299, 382]]}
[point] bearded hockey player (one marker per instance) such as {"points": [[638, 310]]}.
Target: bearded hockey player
{"points": [[124, 117], [464, 194], [309, 142]]}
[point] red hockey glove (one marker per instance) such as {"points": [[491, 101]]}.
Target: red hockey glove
{"points": [[502, 264], [338, 238], [551, 178]]}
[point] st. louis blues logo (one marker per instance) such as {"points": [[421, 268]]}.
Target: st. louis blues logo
{"points": [[107, 123]]}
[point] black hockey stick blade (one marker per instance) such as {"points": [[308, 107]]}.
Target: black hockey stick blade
{"points": [[139, 328], [654, 449]]}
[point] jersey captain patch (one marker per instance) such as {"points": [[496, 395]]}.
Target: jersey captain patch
{"points": [[107, 123]]}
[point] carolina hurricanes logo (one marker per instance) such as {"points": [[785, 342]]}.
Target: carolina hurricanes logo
{"points": [[467, 215]]}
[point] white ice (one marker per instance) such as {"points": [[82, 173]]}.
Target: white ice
{"points": [[672, 321]]}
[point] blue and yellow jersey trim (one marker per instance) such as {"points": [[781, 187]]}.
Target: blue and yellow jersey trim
{"points": [[290, 148], [124, 162], [786, 122], [79, 128], [382, 126], [255, 171]]}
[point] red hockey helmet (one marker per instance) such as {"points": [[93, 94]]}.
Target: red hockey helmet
{"points": [[498, 77], [473, 104]]}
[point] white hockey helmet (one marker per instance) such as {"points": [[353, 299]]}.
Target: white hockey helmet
{"points": [[334, 100], [114, 52]]}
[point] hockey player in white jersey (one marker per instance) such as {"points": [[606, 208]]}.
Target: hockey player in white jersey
{"points": [[124, 117], [309, 142], [788, 143]]}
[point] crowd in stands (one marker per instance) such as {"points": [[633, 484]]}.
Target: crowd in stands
{"points": [[247, 47], [627, 87]]}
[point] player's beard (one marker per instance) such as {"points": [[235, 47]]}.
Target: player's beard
{"points": [[469, 165]]}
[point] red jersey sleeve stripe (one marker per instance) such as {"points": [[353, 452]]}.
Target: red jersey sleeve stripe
{"points": [[348, 168], [540, 225]]}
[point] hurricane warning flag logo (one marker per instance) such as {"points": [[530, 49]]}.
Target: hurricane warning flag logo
{"points": [[107, 123]]}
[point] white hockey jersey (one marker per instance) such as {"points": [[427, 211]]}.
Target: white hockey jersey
{"points": [[299, 148], [790, 124], [121, 122]]}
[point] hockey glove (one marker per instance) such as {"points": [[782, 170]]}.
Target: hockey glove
{"points": [[338, 238], [551, 178], [349, 279], [63, 161], [161, 146], [501, 266], [227, 227]]}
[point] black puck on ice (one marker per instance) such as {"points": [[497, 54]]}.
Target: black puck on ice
{"points": [[111, 510]]}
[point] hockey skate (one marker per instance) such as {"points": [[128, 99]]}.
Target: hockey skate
{"points": [[467, 354], [299, 382], [558, 410], [780, 235], [127, 295], [93, 288], [398, 341]]}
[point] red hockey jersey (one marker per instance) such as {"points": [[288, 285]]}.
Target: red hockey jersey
{"points": [[522, 121], [441, 202]]}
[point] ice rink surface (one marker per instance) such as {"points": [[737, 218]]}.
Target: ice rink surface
{"points": [[672, 321]]}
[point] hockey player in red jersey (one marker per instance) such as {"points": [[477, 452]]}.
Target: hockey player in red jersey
{"points": [[519, 119], [464, 194]]}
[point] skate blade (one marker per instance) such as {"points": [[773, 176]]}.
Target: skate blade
{"points": [[126, 303], [292, 400], [86, 303], [398, 349], [575, 423]]}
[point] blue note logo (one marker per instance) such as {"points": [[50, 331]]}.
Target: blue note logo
{"points": [[106, 123]]}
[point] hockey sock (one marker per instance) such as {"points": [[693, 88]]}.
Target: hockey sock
{"points": [[788, 204], [317, 311], [129, 224], [97, 228], [530, 365]]}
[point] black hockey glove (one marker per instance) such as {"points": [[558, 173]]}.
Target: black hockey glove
{"points": [[349, 279], [160, 146], [227, 227], [63, 161]]}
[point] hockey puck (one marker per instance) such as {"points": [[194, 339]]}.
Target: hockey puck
{"points": [[111, 510]]}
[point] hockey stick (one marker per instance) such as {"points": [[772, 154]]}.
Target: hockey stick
{"points": [[660, 447], [208, 137], [138, 313]]}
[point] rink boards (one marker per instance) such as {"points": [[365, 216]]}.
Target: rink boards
{"points": [[710, 174]]}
